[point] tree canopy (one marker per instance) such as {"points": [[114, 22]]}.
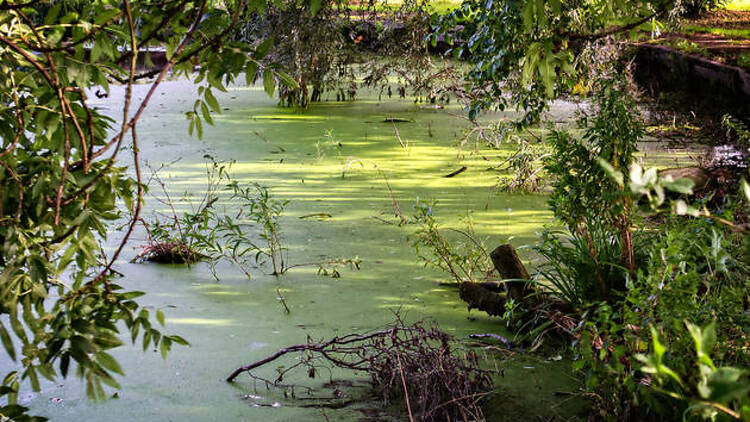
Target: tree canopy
{"points": [[524, 53]]}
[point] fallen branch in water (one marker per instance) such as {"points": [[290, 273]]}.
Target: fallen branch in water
{"points": [[498, 337], [425, 367], [457, 172]]}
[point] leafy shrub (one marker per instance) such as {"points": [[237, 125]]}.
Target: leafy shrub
{"points": [[691, 274], [593, 207], [525, 169], [717, 393]]}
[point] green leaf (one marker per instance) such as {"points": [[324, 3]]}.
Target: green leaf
{"points": [[262, 50], [179, 340], [212, 102], [7, 342], [681, 185], [166, 344], [108, 362], [704, 339], [251, 71], [160, 317], [315, 6], [268, 82], [614, 174], [287, 80]]}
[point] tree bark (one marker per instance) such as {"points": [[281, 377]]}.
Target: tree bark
{"points": [[509, 266]]}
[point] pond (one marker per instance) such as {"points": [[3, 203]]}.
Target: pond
{"points": [[332, 159]]}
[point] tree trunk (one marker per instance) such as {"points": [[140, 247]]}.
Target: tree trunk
{"points": [[509, 266]]}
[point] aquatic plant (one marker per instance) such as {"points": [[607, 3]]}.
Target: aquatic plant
{"points": [[263, 211], [526, 172], [464, 260]]}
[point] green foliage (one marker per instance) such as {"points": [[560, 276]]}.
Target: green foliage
{"points": [[524, 53], [694, 8], [263, 211], [737, 130], [307, 41], [582, 189], [691, 274], [717, 393], [596, 209], [743, 60], [247, 236], [572, 273], [465, 259], [525, 169], [328, 51], [234, 222], [60, 185]]}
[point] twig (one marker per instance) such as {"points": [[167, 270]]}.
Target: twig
{"points": [[282, 299], [498, 337], [403, 384], [396, 208], [395, 130]]}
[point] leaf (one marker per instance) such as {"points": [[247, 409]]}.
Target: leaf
{"points": [[262, 50], [199, 126], [614, 174], [160, 317], [287, 80], [7, 342], [268, 82], [315, 6], [212, 102], [682, 208], [166, 344], [179, 340], [681, 185], [251, 71], [704, 339], [108, 362]]}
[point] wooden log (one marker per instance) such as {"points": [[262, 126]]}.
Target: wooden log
{"points": [[509, 266], [478, 297], [493, 286]]}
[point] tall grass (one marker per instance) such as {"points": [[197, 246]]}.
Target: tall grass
{"points": [[573, 270]]}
